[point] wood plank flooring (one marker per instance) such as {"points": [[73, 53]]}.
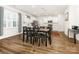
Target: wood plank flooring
{"points": [[60, 45]]}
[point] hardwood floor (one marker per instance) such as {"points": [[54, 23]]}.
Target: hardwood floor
{"points": [[60, 45]]}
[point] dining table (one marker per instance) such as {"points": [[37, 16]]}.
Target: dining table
{"points": [[42, 32]]}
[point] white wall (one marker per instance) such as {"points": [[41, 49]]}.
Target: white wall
{"points": [[26, 21], [61, 21], [73, 19], [66, 24], [11, 31], [58, 22]]}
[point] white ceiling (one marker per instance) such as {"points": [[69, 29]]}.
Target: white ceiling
{"points": [[42, 10]]}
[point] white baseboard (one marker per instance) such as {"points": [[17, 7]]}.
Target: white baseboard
{"points": [[3, 37]]}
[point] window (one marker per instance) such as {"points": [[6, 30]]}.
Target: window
{"points": [[14, 23], [10, 18]]}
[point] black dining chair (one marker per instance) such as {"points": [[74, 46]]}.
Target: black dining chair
{"points": [[43, 36], [49, 35], [29, 36], [36, 37], [24, 32], [46, 36]]}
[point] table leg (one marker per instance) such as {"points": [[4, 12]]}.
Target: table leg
{"points": [[74, 38], [46, 42]]}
